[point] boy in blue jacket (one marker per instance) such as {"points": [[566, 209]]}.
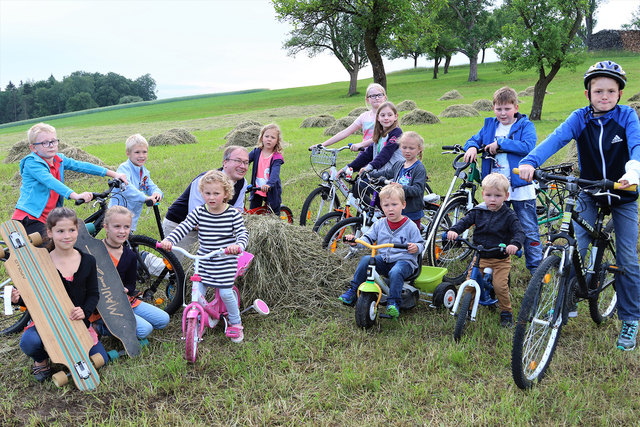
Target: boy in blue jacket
{"points": [[608, 140], [508, 138]]}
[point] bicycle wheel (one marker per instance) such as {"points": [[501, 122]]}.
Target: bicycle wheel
{"points": [[19, 316], [462, 315], [320, 201], [159, 276], [285, 214], [192, 339], [366, 310], [454, 256], [535, 338], [603, 304], [326, 222], [430, 211], [333, 240]]}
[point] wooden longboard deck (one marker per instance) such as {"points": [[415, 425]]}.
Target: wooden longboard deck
{"points": [[114, 306], [33, 273]]}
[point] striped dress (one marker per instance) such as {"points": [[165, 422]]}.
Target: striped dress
{"points": [[215, 231]]}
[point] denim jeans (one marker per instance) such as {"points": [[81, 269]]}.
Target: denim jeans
{"points": [[396, 272], [625, 223], [148, 318], [231, 302], [32, 346], [526, 212]]}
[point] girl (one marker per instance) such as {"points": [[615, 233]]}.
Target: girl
{"points": [[117, 224], [219, 226], [267, 159], [411, 174], [374, 97], [79, 276]]}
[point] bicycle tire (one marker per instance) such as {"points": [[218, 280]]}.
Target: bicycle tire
{"points": [[320, 196], [462, 315], [455, 257], [192, 339], [366, 310], [603, 304], [333, 240], [285, 214], [162, 273], [18, 319], [326, 222], [534, 338]]}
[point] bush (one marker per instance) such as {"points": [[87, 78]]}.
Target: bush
{"points": [[320, 121], [419, 117], [407, 105], [459, 110], [452, 94], [128, 99]]}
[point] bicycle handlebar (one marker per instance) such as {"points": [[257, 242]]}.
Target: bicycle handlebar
{"points": [[214, 253], [604, 184], [376, 247], [113, 183], [501, 248], [321, 147]]}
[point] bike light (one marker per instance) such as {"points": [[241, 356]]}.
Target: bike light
{"points": [[159, 301], [325, 176]]}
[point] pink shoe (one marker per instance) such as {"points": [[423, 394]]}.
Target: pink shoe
{"points": [[235, 332]]}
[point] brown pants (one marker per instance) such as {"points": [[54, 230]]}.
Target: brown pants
{"points": [[501, 268]]}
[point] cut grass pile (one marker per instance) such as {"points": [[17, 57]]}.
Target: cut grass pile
{"points": [[459, 110], [452, 94], [321, 121], [341, 124], [357, 111], [174, 136], [482, 105], [419, 117], [407, 105]]}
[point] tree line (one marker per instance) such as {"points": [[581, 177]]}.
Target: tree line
{"points": [[78, 91]]}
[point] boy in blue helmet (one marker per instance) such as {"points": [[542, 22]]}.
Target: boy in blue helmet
{"points": [[608, 141]]}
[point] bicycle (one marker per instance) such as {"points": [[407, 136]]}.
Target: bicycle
{"points": [[200, 313], [563, 277], [285, 213]]}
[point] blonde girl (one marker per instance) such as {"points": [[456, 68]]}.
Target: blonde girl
{"points": [[265, 174]]}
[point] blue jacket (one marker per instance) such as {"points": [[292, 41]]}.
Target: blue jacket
{"points": [[274, 195], [605, 144], [522, 139], [136, 192], [37, 181]]}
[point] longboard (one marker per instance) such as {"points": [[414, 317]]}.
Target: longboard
{"points": [[33, 273], [114, 306]]}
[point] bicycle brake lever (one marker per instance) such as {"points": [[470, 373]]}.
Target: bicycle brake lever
{"points": [[606, 193]]}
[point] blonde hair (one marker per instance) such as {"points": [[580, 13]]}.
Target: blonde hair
{"points": [[37, 129], [411, 135], [505, 95], [378, 132], [373, 86], [216, 176], [134, 140], [497, 181], [116, 210], [278, 146], [390, 190]]}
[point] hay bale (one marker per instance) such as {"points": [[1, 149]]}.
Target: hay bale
{"points": [[21, 149], [407, 105], [341, 124], [635, 106], [634, 98], [290, 269], [357, 111], [245, 137], [482, 105], [529, 92], [572, 157], [323, 120], [419, 117], [452, 94], [243, 125], [175, 136], [459, 110]]}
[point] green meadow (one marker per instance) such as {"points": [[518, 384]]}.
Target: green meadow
{"points": [[319, 369]]}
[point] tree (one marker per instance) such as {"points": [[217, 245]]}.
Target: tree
{"points": [[337, 34], [542, 37], [146, 87], [589, 21], [81, 101], [635, 21]]}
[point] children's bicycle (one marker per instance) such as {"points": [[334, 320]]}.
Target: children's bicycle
{"points": [[562, 278], [285, 213], [200, 313]]}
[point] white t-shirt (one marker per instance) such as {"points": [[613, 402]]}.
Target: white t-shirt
{"points": [[501, 166]]}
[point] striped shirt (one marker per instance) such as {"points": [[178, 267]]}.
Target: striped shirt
{"points": [[215, 231]]}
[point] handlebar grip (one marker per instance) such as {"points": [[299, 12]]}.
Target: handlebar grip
{"points": [[79, 202], [149, 202], [401, 246], [158, 245], [519, 253], [616, 186], [448, 147]]}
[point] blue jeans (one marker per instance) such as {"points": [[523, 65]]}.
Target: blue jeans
{"points": [[396, 272], [625, 223], [32, 346], [231, 302], [526, 212], [148, 318]]}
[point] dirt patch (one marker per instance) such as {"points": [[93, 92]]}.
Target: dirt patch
{"points": [[176, 136], [419, 117], [357, 111], [244, 137], [634, 98], [341, 124], [482, 105], [407, 105], [452, 94], [320, 121], [459, 110]]}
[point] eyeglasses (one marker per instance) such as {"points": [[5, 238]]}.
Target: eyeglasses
{"points": [[240, 162], [376, 96], [47, 144]]}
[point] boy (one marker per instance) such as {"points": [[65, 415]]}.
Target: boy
{"points": [[494, 223], [515, 136], [42, 172], [142, 187], [608, 141], [397, 264]]}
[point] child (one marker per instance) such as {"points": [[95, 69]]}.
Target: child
{"points": [[79, 276], [397, 264], [494, 223], [117, 225], [515, 136], [608, 141], [42, 171], [267, 159], [141, 186], [219, 226], [411, 174], [375, 95]]}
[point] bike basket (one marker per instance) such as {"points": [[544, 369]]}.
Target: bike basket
{"points": [[322, 159]]}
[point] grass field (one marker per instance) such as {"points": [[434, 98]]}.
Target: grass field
{"points": [[319, 369]]}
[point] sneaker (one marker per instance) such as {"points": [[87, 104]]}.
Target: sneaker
{"points": [[506, 319], [627, 338], [392, 311], [41, 373], [235, 332], [349, 297]]}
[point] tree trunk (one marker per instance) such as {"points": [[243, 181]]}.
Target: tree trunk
{"points": [[436, 64], [415, 61], [353, 81], [540, 89], [447, 61], [375, 59], [473, 68], [484, 50]]}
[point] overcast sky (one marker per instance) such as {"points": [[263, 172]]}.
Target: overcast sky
{"points": [[188, 46]]}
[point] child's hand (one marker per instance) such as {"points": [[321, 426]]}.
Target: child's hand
{"points": [[166, 245], [512, 249], [452, 235], [412, 248], [233, 250], [470, 155], [86, 196], [355, 147], [15, 295], [76, 314], [350, 239], [624, 184], [492, 148], [265, 188], [157, 197]]}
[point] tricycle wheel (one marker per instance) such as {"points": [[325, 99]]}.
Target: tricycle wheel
{"points": [[366, 309], [444, 295]]}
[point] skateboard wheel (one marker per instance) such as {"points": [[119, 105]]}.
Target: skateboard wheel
{"points": [[144, 343], [36, 239], [60, 378], [113, 354], [2, 253], [97, 360]]}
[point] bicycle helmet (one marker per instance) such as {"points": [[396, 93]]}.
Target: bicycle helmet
{"points": [[606, 69]]}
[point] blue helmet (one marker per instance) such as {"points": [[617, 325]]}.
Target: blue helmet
{"points": [[606, 69]]}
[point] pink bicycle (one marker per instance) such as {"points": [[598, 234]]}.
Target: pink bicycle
{"points": [[201, 313]]}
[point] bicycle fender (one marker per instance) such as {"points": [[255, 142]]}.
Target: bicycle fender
{"points": [[369, 287]]}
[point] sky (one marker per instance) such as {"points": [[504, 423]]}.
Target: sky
{"points": [[188, 46]]}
